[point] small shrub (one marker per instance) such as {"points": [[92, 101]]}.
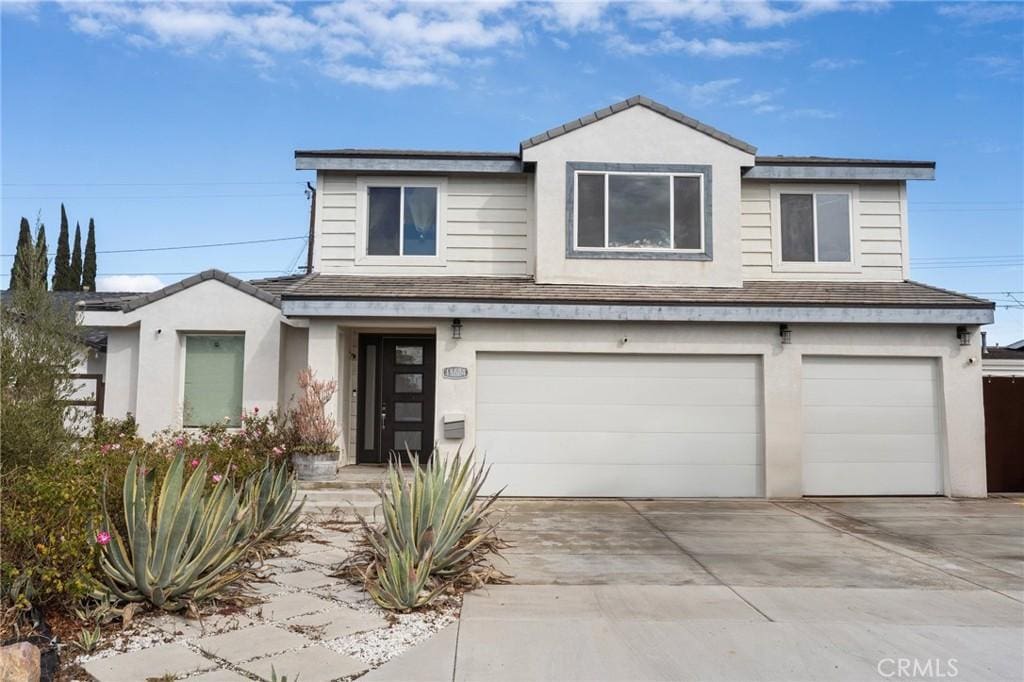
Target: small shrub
{"points": [[315, 431], [435, 535], [268, 496]]}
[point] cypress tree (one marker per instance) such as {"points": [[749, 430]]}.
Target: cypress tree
{"points": [[42, 263], [76, 260], [24, 259], [62, 260], [89, 263]]}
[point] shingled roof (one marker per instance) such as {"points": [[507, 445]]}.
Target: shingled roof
{"points": [[906, 294], [205, 275], [639, 101]]}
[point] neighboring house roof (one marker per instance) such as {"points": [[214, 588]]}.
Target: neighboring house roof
{"points": [[1002, 353], [524, 290], [638, 101], [93, 338], [1016, 345], [138, 300]]}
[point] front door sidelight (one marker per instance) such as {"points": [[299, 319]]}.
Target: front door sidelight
{"points": [[396, 397]]}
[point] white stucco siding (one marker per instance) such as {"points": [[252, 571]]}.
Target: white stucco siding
{"points": [[486, 225], [637, 135], [958, 401], [880, 231], [146, 351]]}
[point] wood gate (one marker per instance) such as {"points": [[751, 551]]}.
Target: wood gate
{"points": [[1004, 433]]}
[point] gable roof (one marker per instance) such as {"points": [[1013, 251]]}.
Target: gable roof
{"points": [[638, 101], [211, 274]]}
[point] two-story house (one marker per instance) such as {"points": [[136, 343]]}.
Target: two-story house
{"points": [[632, 304]]}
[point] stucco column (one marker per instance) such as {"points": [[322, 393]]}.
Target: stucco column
{"points": [[964, 420], [323, 357], [121, 373], [783, 422]]}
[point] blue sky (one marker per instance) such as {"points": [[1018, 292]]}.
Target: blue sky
{"points": [[174, 124]]}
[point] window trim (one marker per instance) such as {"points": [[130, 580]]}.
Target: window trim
{"points": [[575, 169], [363, 184], [815, 266], [183, 360]]}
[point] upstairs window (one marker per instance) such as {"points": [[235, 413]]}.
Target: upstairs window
{"points": [[213, 379], [401, 221], [816, 227], [628, 211]]}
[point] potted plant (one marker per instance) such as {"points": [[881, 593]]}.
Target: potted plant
{"points": [[315, 454]]}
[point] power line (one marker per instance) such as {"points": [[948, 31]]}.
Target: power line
{"points": [[188, 246], [965, 258], [203, 183], [161, 196]]}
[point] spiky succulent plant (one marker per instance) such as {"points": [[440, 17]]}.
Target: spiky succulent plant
{"points": [[183, 546], [269, 495]]}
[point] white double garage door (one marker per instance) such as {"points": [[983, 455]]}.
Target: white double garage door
{"points": [[576, 424]]}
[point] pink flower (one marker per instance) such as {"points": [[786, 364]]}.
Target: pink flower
{"points": [[105, 448], [115, 446], [194, 463], [103, 537], [255, 410], [277, 451], [216, 478], [179, 441]]}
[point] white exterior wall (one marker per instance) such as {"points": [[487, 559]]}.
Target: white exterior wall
{"points": [[637, 135], [486, 227], [879, 247], [147, 350], [122, 371], [961, 414]]}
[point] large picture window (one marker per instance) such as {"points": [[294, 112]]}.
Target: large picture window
{"points": [[639, 212], [213, 379], [815, 227], [401, 221]]}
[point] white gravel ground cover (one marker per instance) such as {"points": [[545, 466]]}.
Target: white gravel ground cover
{"points": [[373, 647]]}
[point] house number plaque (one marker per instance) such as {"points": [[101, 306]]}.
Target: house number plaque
{"points": [[455, 372]]}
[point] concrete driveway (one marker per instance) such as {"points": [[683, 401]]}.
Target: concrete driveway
{"points": [[827, 589]]}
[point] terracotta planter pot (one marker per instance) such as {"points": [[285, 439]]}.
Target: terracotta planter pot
{"points": [[315, 467]]}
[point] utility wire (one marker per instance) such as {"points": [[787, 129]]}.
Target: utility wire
{"points": [[188, 246], [161, 196], [152, 184]]}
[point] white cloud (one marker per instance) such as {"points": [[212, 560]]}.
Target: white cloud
{"points": [[749, 13], [809, 113], [979, 13], [128, 283], [668, 42], [997, 65], [830, 64], [710, 92], [392, 44]]}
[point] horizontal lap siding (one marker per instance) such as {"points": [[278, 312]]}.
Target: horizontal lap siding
{"points": [[487, 220], [881, 248]]}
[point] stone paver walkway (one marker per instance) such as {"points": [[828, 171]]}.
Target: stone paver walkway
{"points": [[308, 625]]}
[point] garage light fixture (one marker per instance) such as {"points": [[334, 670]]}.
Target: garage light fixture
{"points": [[456, 328], [786, 333], [964, 336]]}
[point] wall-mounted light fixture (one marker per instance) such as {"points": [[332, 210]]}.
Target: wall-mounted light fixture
{"points": [[785, 333], [963, 335], [456, 328]]}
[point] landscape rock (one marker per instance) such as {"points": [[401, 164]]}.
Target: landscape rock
{"points": [[19, 663]]}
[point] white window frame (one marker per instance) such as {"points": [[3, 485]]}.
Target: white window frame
{"points": [[815, 266], [183, 359], [671, 213], [362, 240]]}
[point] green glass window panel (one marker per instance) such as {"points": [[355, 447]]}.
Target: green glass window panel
{"points": [[213, 379]]}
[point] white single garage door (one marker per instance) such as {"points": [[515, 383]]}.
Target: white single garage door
{"points": [[578, 424], [871, 426]]}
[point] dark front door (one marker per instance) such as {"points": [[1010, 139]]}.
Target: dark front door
{"points": [[396, 397]]}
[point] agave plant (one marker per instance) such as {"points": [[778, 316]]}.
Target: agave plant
{"points": [[183, 547], [268, 495], [434, 533]]}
